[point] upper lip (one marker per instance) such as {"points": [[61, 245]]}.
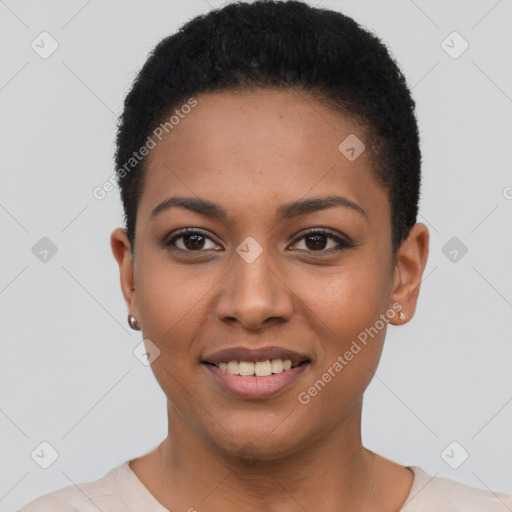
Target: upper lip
{"points": [[260, 354]]}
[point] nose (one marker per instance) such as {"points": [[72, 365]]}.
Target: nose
{"points": [[254, 294]]}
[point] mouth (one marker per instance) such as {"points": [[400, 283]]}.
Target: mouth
{"points": [[253, 374], [257, 368], [247, 356]]}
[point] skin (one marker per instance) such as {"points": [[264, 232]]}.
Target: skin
{"points": [[251, 152]]}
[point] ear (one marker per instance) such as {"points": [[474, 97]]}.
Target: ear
{"points": [[410, 264], [121, 248]]}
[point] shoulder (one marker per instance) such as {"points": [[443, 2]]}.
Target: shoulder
{"points": [[81, 497], [446, 495], [49, 503]]}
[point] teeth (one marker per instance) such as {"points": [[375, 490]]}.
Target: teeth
{"points": [[246, 368], [262, 369], [233, 368], [259, 368], [277, 366]]}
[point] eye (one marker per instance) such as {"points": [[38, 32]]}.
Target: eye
{"points": [[317, 241], [191, 240]]}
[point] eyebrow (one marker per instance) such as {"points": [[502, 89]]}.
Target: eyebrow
{"points": [[286, 211]]}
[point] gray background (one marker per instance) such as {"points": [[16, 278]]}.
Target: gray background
{"points": [[68, 374]]}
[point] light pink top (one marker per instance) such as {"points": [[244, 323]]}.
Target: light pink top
{"points": [[120, 490]]}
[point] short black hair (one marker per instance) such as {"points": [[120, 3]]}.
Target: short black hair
{"points": [[282, 45]]}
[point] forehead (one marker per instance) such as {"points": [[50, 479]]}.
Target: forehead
{"points": [[262, 147]]}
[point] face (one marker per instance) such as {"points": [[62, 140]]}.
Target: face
{"points": [[265, 266]]}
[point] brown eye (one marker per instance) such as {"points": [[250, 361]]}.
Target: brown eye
{"points": [[192, 240], [318, 241]]}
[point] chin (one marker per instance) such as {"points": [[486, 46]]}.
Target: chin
{"points": [[254, 442]]}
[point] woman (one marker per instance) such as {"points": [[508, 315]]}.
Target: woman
{"points": [[269, 166]]}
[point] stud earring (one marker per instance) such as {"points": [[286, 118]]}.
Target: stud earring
{"points": [[132, 322], [401, 316]]}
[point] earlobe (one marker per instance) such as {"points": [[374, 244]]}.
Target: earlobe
{"points": [[121, 249], [411, 261]]}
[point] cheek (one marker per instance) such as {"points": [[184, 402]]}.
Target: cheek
{"points": [[345, 300], [172, 298], [171, 302], [345, 309]]}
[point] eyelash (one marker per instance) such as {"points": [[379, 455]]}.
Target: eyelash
{"points": [[342, 243]]}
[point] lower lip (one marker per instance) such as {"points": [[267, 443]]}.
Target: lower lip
{"points": [[251, 387]]}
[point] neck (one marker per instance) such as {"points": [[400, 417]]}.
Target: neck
{"points": [[332, 472]]}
